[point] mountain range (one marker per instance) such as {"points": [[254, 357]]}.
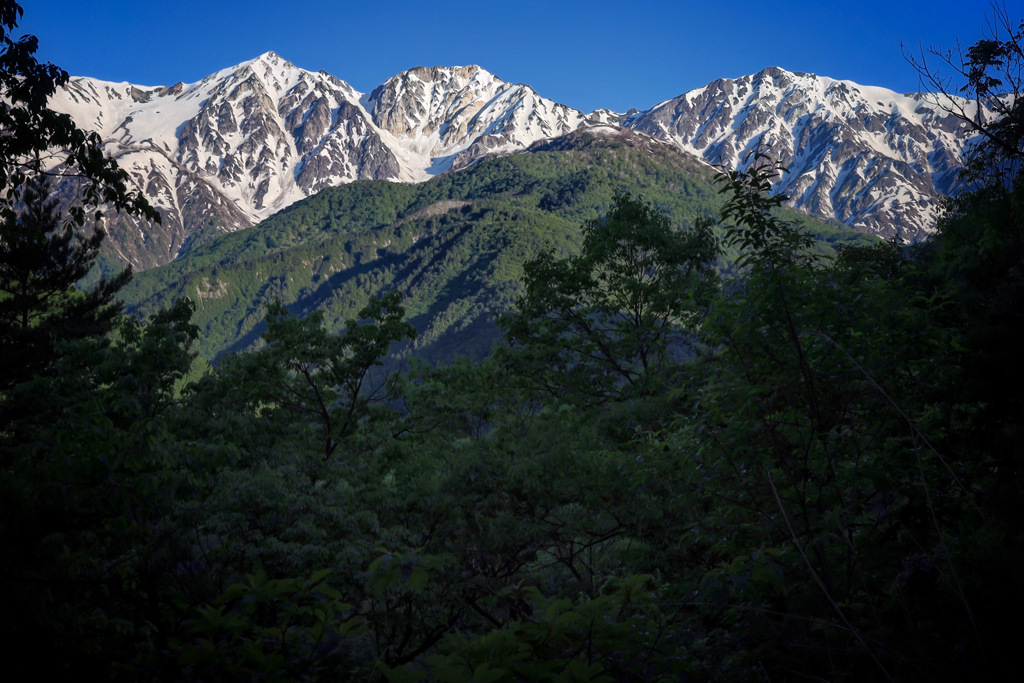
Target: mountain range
{"points": [[231, 150]]}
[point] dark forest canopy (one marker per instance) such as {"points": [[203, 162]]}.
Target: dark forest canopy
{"points": [[707, 447]]}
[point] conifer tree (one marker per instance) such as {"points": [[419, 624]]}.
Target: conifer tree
{"points": [[40, 264]]}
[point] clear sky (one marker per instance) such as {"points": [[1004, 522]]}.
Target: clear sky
{"points": [[588, 55]]}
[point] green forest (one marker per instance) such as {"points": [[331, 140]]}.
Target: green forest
{"points": [[590, 413], [454, 246]]}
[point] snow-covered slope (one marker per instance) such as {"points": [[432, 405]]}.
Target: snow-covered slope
{"points": [[247, 141], [874, 159], [442, 118], [225, 152]]}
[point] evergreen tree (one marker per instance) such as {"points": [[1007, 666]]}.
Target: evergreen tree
{"points": [[40, 264]]}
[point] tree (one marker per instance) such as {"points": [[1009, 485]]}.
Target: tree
{"points": [[810, 449], [609, 320], [307, 377], [96, 486], [43, 255], [40, 306], [36, 140], [86, 472], [976, 261], [984, 91]]}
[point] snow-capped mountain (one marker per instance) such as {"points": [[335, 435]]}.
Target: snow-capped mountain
{"points": [[443, 118], [230, 150], [873, 159], [248, 141]]}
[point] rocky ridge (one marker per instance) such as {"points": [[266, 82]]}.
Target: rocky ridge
{"points": [[873, 159], [245, 142], [241, 144]]}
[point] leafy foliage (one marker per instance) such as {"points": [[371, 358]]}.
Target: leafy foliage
{"points": [[40, 306], [305, 371], [32, 132], [607, 323], [806, 467]]}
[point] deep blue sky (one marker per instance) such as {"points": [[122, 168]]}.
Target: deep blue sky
{"points": [[631, 53]]}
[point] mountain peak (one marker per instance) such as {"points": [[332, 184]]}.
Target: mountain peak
{"points": [[271, 58], [434, 73], [869, 157], [266, 62], [443, 76], [250, 139]]}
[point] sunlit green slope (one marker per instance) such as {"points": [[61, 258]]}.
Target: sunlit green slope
{"points": [[454, 245]]}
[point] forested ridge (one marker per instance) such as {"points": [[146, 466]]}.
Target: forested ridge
{"points": [[696, 443], [454, 246]]}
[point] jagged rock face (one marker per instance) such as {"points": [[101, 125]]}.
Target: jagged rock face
{"points": [[270, 134], [423, 101], [228, 151], [247, 141], [871, 158], [451, 117]]}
